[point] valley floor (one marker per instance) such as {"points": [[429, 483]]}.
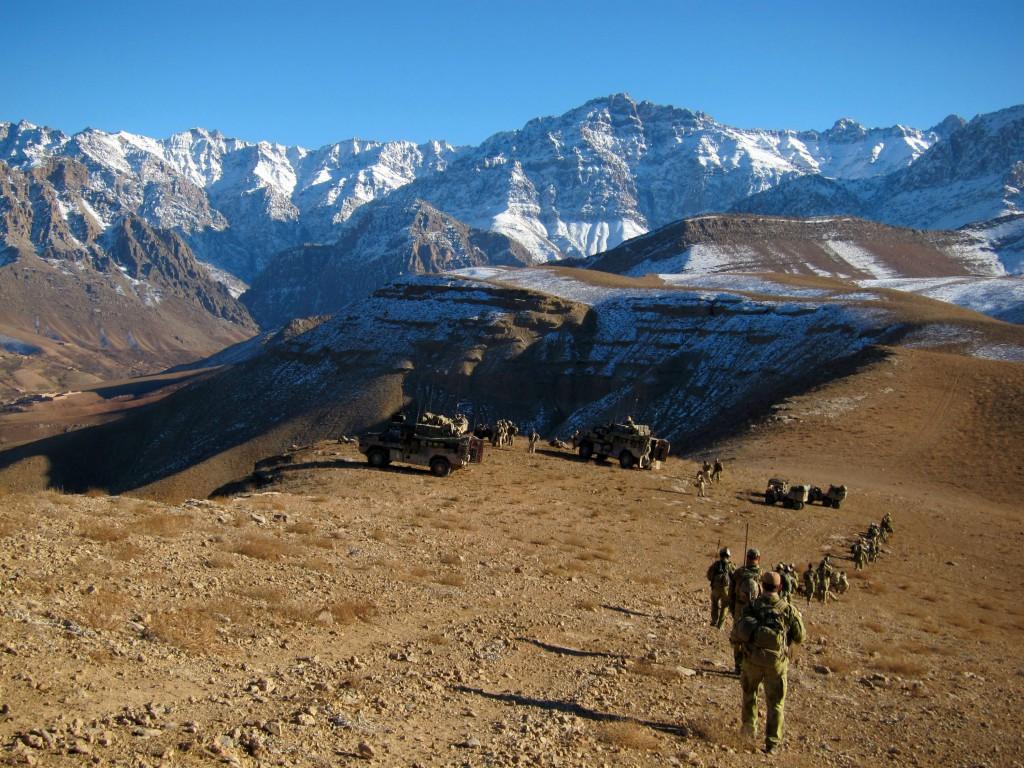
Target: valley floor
{"points": [[531, 610]]}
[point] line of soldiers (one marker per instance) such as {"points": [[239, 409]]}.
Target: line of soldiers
{"points": [[765, 625], [706, 475], [504, 433], [868, 546], [766, 621]]}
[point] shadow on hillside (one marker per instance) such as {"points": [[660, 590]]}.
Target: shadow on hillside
{"points": [[212, 430], [572, 708], [558, 454], [267, 476], [561, 650]]}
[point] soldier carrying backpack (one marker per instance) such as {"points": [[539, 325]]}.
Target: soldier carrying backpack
{"points": [[765, 631], [719, 576], [744, 589]]}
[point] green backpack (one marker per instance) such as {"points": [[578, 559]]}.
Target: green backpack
{"points": [[720, 575], [763, 629]]}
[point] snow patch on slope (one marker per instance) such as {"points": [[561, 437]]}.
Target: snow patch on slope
{"points": [[999, 297]]}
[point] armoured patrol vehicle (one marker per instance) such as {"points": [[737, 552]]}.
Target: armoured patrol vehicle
{"points": [[796, 496], [776, 490], [632, 444], [425, 445], [833, 497]]}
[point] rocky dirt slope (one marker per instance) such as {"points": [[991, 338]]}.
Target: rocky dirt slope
{"points": [[533, 609]]}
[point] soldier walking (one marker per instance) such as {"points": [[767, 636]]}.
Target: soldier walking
{"points": [[720, 576], [744, 589], [702, 485], [825, 575], [716, 473], [534, 439], [810, 582], [766, 631], [886, 527], [857, 551]]}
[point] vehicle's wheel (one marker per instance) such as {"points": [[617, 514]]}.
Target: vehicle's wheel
{"points": [[377, 457], [626, 460], [586, 451], [826, 502], [798, 505], [440, 467], [787, 503], [769, 499], [835, 504]]}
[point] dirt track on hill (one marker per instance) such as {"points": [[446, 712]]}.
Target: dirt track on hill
{"points": [[534, 609]]}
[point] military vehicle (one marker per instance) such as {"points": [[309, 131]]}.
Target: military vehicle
{"points": [[833, 497], [796, 496], [632, 444], [776, 490], [437, 446]]}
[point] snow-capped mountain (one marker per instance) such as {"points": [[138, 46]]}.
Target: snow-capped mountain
{"points": [[236, 202], [100, 296], [975, 174], [571, 185], [382, 242], [574, 184]]}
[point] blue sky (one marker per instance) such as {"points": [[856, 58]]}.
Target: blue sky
{"points": [[314, 72]]}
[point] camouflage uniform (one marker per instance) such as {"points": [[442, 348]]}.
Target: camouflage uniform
{"points": [[810, 582], [825, 575], [857, 550], [886, 527], [717, 571], [740, 598], [716, 472], [768, 668]]}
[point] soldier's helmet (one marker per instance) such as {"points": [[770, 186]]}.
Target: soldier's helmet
{"points": [[724, 552], [771, 581], [753, 554]]}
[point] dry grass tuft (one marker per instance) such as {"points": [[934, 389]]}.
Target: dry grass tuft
{"points": [[105, 610], [9, 528], [102, 532], [627, 735], [348, 611], [876, 587], [262, 548], [126, 551], [219, 560], [838, 664], [318, 564], [906, 667], [379, 534], [450, 558], [451, 579], [588, 605], [304, 528], [658, 671], [190, 629], [163, 525]]}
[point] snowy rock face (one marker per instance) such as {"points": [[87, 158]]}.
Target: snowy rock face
{"points": [[236, 202], [575, 184], [51, 212], [612, 169], [382, 241], [974, 174]]}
